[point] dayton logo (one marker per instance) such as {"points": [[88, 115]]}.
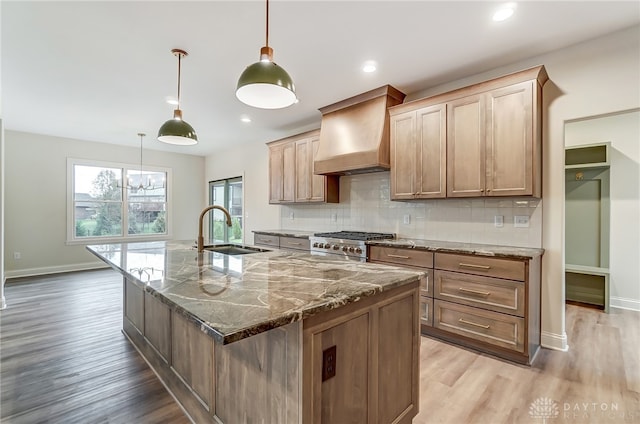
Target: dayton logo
{"points": [[544, 408]]}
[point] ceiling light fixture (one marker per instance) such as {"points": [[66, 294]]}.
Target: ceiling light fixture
{"points": [[264, 84], [245, 119], [369, 66], [142, 187], [177, 131], [505, 12]]}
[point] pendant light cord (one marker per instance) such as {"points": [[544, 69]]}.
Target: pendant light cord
{"points": [[179, 59], [267, 27]]}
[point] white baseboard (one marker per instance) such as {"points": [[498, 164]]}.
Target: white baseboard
{"points": [[624, 303], [554, 341], [31, 272]]}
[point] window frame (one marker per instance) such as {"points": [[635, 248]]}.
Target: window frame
{"points": [[71, 238], [226, 183]]}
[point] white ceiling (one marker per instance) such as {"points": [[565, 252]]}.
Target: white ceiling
{"points": [[101, 71]]}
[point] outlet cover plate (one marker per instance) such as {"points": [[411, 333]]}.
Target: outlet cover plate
{"points": [[521, 221]]}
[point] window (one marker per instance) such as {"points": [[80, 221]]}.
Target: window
{"points": [[103, 209], [228, 194]]}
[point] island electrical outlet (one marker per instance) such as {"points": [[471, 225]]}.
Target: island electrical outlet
{"points": [[328, 363]]}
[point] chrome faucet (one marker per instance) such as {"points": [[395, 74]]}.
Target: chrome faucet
{"points": [[202, 214]]}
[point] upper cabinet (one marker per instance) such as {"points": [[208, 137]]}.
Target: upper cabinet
{"points": [[418, 153], [482, 140], [291, 178], [282, 173]]}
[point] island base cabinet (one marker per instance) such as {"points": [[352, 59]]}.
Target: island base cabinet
{"points": [[257, 378], [376, 343], [276, 376]]}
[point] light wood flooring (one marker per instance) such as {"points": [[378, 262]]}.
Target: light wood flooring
{"points": [[63, 359]]}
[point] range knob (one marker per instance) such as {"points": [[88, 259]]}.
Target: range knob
{"points": [[327, 246], [358, 250], [350, 249], [315, 244], [344, 248], [336, 247]]}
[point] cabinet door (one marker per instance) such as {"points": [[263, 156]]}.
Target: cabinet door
{"points": [[403, 155], [157, 325], [509, 141], [288, 172], [304, 170], [431, 143], [318, 182], [276, 176], [466, 147]]}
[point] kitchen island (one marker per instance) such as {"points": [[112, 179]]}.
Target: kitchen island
{"points": [[273, 337]]}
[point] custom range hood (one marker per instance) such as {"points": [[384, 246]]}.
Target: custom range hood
{"points": [[354, 134]]}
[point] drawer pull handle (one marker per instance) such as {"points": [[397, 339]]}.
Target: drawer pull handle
{"points": [[398, 256], [478, 292], [295, 244], [266, 240], [464, 321], [484, 267]]}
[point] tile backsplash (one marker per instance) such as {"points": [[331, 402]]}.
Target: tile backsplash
{"points": [[365, 206]]}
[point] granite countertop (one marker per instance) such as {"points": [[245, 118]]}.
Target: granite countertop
{"points": [[286, 233], [234, 297], [512, 252]]}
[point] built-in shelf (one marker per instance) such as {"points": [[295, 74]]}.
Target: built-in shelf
{"points": [[587, 284], [587, 156]]}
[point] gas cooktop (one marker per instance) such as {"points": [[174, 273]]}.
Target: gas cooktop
{"points": [[356, 235]]}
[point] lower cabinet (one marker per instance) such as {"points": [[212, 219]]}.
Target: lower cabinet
{"points": [[355, 364], [486, 303], [157, 326], [281, 242], [420, 260], [192, 357], [360, 359]]}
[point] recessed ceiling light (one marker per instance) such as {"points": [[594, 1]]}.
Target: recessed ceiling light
{"points": [[369, 66], [245, 119], [504, 12]]}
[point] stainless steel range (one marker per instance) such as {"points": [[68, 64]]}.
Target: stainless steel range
{"points": [[350, 244]]}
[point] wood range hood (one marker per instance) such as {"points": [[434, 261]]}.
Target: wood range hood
{"points": [[354, 134]]}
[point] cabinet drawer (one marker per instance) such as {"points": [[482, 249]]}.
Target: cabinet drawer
{"points": [[294, 243], [485, 292], [490, 327], [426, 311], [266, 240], [411, 257], [481, 265]]}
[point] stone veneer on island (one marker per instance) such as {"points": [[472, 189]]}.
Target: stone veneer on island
{"points": [[249, 338]]}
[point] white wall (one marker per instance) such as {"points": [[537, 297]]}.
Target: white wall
{"points": [[252, 163], [36, 198], [589, 79], [623, 131]]}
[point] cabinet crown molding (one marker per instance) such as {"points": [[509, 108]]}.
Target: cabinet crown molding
{"points": [[538, 73]]}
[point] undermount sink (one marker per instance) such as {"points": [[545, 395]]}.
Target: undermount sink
{"points": [[234, 249]]}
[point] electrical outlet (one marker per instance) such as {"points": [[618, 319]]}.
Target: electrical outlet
{"points": [[521, 221], [406, 219], [334, 217], [498, 221], [328, 363], [291, 216], [17, 256]]}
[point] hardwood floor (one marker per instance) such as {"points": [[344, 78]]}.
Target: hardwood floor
{"points": [[63, 359]]}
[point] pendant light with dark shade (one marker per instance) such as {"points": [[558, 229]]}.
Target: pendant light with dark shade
{"points": [[264, 84], [177, 131]]}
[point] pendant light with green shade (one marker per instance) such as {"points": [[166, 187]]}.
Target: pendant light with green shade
{"points": [[264, 84], [176, 130]]}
